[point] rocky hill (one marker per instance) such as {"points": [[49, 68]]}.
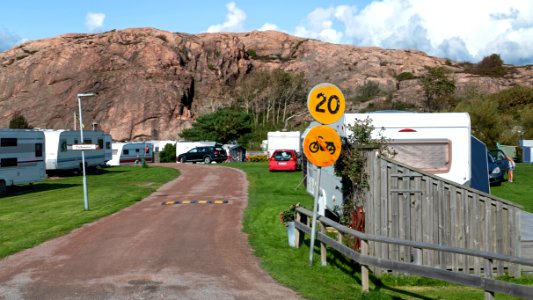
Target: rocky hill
{"points": [[151, 83]]}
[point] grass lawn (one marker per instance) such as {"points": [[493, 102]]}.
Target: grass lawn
{"points": [[270, 193], [56, 206], [520, 191]]}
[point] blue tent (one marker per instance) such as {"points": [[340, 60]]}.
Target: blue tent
{"points": [[480, 169]]}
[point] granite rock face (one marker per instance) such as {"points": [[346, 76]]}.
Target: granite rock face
{"points": [[151, 84]]}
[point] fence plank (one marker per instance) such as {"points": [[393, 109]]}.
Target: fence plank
{"points": [[418, 220]]}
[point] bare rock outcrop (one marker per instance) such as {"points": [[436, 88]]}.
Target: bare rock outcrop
{"points": [[152, 83]]}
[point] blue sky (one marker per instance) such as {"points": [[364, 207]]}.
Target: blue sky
{"points": [[463, 30]]}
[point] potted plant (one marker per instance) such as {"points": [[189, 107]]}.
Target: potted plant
{"points": [[287, 218]]}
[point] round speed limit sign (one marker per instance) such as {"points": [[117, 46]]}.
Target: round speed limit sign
{"points": [[326, 103]]}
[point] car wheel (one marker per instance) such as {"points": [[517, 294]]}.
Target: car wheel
{"points": [[182, 160], [207, 160]]}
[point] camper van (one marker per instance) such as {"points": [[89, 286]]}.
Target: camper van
{"points": [[438, 143], [61, 157], [130, 153], [283, 140], [21, 157]]}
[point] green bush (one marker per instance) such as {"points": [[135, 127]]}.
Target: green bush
{"points": [[251, 53], [168, 154], [491, 65], [405, 76], [258, 158]]}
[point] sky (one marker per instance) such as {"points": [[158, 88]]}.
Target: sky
{"points": [[461, 30]]}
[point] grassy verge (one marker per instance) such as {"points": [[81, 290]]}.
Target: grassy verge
{"points": [[56, 206], [269, 194], [520, 190]]}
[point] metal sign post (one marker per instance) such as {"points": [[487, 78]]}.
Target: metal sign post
{"points": [[322, 144], [313, 224], [85, 192]]}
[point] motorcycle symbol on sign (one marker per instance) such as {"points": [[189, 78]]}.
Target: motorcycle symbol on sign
{"points": [[315, 146]]}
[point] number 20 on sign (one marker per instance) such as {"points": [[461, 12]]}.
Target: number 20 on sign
{"points": [[326, 103]]}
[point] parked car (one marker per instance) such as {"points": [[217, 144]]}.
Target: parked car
{"points": [[283, 160], [206, 154], [498, 166]]}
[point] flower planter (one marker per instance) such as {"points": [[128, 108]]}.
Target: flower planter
{"points": [[291, 234]]}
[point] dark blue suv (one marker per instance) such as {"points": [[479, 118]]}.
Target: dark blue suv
{"points": [[205, 154], [498, 166]]}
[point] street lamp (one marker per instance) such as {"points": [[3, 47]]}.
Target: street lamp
{"points": [[85, 193]]}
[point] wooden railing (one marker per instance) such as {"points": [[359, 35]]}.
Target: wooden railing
{"points": [[366, 260]]}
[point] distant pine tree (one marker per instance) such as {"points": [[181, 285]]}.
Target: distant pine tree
{"points": [[18, 121]]}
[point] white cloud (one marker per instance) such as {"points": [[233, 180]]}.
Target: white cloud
{"points": [[269, 26], [455, 29], [8, 40], [319, 25], [94, 21], [234, 20]]}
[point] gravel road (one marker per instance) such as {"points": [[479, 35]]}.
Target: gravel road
{"points": [[153, 251]]}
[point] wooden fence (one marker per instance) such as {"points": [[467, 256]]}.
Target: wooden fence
{"points": [[408, 204], [367, 260], [418, 223]]}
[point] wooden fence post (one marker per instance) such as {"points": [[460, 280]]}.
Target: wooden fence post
{"points": [[364, 269], [323, 251], [297, 233]]}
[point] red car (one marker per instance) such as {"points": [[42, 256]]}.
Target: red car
{"points": [[283, 160]]}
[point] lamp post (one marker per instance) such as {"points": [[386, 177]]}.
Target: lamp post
{"points": [[85, 193]]}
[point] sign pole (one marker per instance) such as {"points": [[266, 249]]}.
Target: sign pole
{"points": [[313, 224]]}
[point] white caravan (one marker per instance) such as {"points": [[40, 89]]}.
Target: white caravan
{"points": [[184, 146], [438, 143], [283, 140], [131, 153], [61, 157], [21, 157]]}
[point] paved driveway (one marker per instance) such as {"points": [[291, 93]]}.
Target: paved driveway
{"points": [[152, 251]]}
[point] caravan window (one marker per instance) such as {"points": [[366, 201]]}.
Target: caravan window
{"points": [[433, 156], [39, 150], [87, 141], [8, 162], [137, 150], [100, 143], [63, 145], [125, 151], [8, 142], [108, 145]]}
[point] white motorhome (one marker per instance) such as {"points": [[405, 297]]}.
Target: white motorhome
{"points": [[131, 153], [21, 157], [61, 157], [283, 140], [438, 143], [184, 146]]}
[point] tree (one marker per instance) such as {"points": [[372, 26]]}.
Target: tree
{"points": [[491, 65], [168, 154], [222, 126], [350, 166], [437, 86], [18, 121], [271, 97]]}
